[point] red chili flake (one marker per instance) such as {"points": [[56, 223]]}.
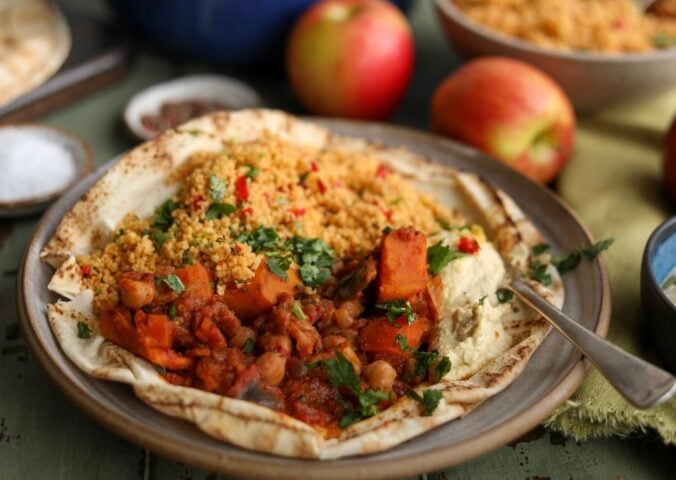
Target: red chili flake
{"points": [[619, 23], [468, 245], [197, 201], [237, 247], [322, 186], [242, 189], [388, 214], [298, 212], [86, 270], [314, 167], [247, 211], [383, 171], [267, 196]]}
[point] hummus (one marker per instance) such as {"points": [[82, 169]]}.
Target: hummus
{"points": [[470, 331]]}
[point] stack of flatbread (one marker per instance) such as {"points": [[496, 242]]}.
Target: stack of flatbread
{"points": [[34, 43]]}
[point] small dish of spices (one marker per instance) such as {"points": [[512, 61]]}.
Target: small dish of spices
{"points": [[167, 105], [38, 163]]}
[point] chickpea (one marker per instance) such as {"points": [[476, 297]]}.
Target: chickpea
{"points": [[242, 334], [354, 308], [333, 341], [343, 318], [276, 342], [380, 375], [136, 294], [272, 367]]}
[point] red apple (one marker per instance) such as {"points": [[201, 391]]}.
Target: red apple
{"points": [[350, 58], [510, 110], [670, 163]]}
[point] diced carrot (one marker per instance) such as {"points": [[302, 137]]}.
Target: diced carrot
{"points": [[196, 281], [403, 264], [380, 336], [258, 296]]}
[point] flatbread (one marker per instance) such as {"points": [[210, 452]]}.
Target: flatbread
{"points": [[139, 182], [34, 43]]}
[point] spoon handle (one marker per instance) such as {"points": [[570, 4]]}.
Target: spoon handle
{"points": [[641, 383]]}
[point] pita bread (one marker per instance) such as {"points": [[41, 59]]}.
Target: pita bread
{"points": [[34, 43], [91, 222]]}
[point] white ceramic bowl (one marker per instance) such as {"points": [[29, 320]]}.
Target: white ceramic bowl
{"points": [[591, 80], [232, 93]]}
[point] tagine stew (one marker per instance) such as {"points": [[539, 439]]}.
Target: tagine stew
{"points": [[329, 356]]}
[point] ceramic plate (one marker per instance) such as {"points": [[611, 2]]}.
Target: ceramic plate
{"points": [[551, 376]]}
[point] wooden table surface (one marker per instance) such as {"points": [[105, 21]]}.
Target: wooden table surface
{"points": [[43, 436]]}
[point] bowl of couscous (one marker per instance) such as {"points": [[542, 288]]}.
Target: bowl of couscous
{"points": [[602, 53]]}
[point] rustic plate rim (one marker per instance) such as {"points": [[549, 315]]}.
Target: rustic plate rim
{"points": [[430, 460]]}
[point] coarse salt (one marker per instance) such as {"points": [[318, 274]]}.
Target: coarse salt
{"points": [[32, 164]]}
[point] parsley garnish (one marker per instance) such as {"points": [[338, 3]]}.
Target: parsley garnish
{"points": [[172, 311], [216, 188], [341, 374], [387, 230], [425, 360], [83, 330], [539, 273], [303, 177], [315, 258], [482, 300], [278, 265], [260, 239], [248, 345], [444, 224], [217, 210], [396, 309], [298, 311], [163, 219], [504, 295], [439, 255], [429, 400], [572, 260], [174, 283], [540, 249], [159, 237], [253, 172]]}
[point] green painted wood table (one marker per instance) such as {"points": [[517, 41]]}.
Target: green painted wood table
{"points": [[43, 436]]}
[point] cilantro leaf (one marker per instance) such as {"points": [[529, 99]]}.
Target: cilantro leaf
{"points": [[217, 210], [163, 219], [504, 295], [253, 171], [429, 400], [566, 263], [171, 312], [425, 360], [349, 417], [663, 40], [83, 330], [443, 367], [174, 283], [159, 237], [396, 309], [315, 258], [403, 344], [439, 255], [539, 273], [341, 372], [248, 345], [540, 249], [216, 188], [260, 239]]}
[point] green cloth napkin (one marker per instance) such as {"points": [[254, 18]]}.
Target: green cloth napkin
{"points": [[614, 182]]}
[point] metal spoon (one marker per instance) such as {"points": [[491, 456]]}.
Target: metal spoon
{"points": [[642, 384]]}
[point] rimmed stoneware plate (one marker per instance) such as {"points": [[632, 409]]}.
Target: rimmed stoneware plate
{"points": [[551, 376]]}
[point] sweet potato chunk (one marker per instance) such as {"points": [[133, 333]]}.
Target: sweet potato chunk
{"points": [[403, 264], [261, 293], [196, 280], [380, 336]]}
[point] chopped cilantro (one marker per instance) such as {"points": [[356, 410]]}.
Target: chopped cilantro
{"points": [[298, 311], [260, 239], [174, 283], [663, 40], [341, 374], [159, 237], [504, 295], [429, 400], [387, 230], [315, 258], [425, 360], [172, 311], [566, 263], [443, 367], [396, 201], [540, 249], [439, 255], [83, 330], [217, 210], [444, 224], [253, 171], [163, 219], [248, 345], [303, 177], [539, 273], [282, 201], [279, 266], [482, 300], [396, 309], [216, 188]]}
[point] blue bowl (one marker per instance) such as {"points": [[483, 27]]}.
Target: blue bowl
{"points": [[659, 257], [238, 32]]}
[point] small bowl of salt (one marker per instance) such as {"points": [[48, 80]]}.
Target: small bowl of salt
{"points": [[37, 165]]}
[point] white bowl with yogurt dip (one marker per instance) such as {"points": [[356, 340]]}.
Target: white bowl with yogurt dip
{"points": [[38, 164], [658, 290]]}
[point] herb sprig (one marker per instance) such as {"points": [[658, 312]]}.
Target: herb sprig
{"points": [[425, 360], [440, 255], [397, 308]]}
